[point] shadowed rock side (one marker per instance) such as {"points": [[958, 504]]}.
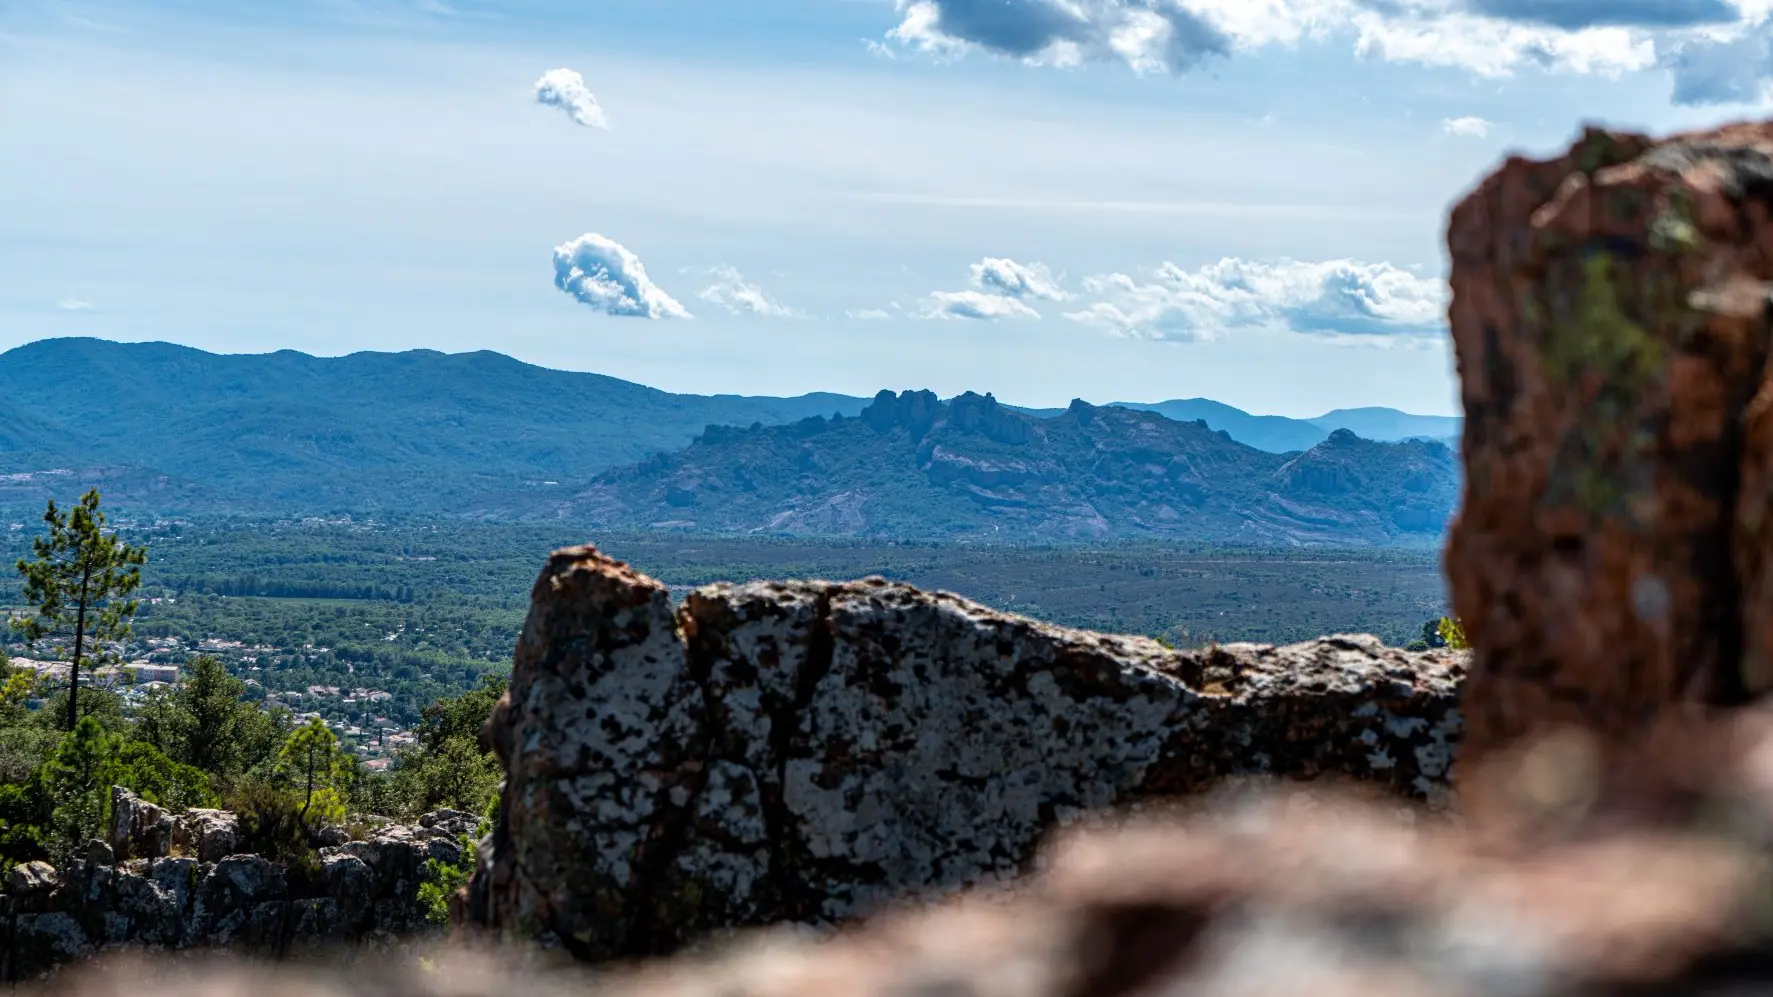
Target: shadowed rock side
{"points": [[807, 751], [1609, 317], [165, 882]]}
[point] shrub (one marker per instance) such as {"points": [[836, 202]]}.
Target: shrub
{"points": [[443, 879], [1453, 633], [271, 824]]}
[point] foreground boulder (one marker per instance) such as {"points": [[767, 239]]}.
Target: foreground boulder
{"points": [[1609, 313], [809, 751], [1294, 891], [183, 896]]}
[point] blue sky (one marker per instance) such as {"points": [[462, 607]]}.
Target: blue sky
{"points": [[1047, 199]]}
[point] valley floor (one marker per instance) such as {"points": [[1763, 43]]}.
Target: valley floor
{"points": [[366, 623]]}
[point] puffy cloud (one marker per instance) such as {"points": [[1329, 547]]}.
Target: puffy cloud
{"points": [[74, 305], [1574, 15], [566, 90], [1017, 280], [604, 274], [731, 291], [1000, 287], [869, 314], [1490, 38], [976, 305], [1331, 298], [1467, 126]]}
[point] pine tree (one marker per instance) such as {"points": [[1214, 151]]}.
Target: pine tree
{"points": [[78, 779], [81, 580], [311, 765]]}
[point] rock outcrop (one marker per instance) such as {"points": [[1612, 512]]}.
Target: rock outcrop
{"points": [[161, 884], [1609, 313], [809, 751]]}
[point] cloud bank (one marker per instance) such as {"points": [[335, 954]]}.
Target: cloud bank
{"points": [[1161, 36], [603, 273], [1333, 298], [732, 292], [1718, 51], [566, 90]]}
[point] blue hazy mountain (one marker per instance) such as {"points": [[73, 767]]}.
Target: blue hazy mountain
{"points": [[911, 465], [172, 429], [1280, 434], [419, 430]]}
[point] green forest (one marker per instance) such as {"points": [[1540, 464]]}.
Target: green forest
{"points": [[340, 670]]}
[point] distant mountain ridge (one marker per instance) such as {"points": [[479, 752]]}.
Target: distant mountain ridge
{"points": [[168, 428], [1280, 434], [912, 465], [420, 430]]}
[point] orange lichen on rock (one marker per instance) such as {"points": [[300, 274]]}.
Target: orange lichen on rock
{"points": [[1608, 314]]}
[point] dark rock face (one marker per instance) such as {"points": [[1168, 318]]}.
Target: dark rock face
{"points": [[1609, 316], [810, 751], [366, 893]]}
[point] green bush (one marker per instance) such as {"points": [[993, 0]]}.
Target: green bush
{"points": [[1452, 632], [443, 879], [271, 824]]}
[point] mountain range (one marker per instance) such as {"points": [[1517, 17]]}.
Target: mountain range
{"points": [[912, 465], [175, 429]]}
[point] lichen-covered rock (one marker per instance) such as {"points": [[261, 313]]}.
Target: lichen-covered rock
{"points": [[809, 751], [139, 829], [1611, 556], [208, 835]]}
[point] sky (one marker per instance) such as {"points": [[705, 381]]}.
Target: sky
{"points": [[1115, 200]]}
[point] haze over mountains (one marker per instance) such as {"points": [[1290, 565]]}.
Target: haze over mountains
{"points": [[175, 429]]}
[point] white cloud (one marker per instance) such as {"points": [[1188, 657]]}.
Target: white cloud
{"points": [[1490, 38], [73, 305], [732, 292], [565, 89], [1469, 127], [1000, 284], [976, 305], [1334, 298], [1017, 280], [869, 314], [602, 273]]}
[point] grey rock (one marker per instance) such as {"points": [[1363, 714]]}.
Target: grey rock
{"points": [[139, 829], [32, 877], [244, 903], [99, 853], [809, 751], [208, 835]]}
